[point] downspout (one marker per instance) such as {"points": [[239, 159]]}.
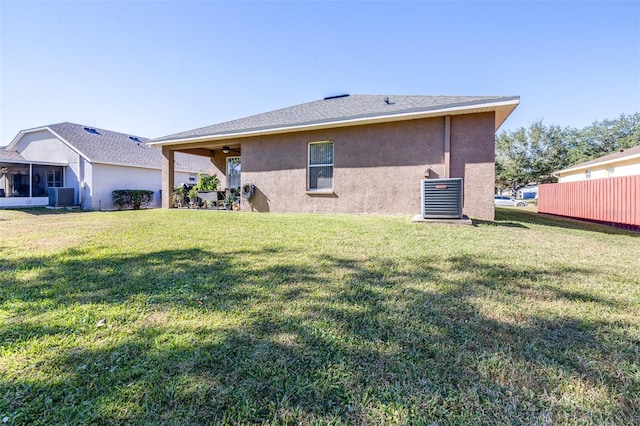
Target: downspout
{"points": [[447, 146]]}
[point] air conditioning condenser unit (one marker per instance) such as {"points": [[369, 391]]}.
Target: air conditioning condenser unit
{"points": [[441, 198], [61, 197]]}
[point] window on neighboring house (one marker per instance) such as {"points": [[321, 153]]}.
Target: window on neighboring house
{"points": [[587, 174], [54, 178], [192, 178], [611, 172], [320, 173]]}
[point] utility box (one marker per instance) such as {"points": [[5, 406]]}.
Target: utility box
{"points": [[441, 198], [61, 197]]}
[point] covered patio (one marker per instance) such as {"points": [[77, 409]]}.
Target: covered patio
{"points": [[225, 163]]}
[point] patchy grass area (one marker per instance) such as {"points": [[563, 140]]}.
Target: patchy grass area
{"points": [[188, 317]]}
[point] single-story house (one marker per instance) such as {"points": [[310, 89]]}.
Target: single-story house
{"points": [[91, 161], [352, 154], [625, 162]]}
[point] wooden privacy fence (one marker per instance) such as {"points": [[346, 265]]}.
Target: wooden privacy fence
{"points": [[612, 201]]}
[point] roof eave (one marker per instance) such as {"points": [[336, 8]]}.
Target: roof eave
{"points": [[505, 107], [36, 163], [580, 167]]}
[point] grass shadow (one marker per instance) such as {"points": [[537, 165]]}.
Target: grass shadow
{"points": [[522, 217], [201, 336]]}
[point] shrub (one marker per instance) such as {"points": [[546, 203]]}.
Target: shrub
{"points": [[131, 198]]}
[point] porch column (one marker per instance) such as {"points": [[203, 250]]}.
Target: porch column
{"points": [[30, 180], [447, 146], [167, 176]]}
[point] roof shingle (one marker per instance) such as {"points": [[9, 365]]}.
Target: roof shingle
{"points": [[342, 108], [105, 146]]}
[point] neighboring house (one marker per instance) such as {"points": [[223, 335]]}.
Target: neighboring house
{"points": [[92, 161], [353, 154], [625, 162], [604, 190]]}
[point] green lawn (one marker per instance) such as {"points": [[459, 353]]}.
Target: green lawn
{"points": [[204, 317]]}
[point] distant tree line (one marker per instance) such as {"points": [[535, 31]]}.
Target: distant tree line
{"points": [[530, 155]]}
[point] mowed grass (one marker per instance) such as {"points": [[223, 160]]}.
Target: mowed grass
{"points": [[203, 317]]}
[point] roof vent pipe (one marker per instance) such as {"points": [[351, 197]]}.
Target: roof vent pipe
{"points": [[336, 96]]}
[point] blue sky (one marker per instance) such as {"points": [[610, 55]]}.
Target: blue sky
{"points": [[155, 68]]}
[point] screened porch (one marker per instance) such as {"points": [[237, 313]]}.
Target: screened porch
{"points": [[26, 183]]}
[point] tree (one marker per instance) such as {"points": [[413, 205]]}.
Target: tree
{"points": [[602, 138], [529, 155]]}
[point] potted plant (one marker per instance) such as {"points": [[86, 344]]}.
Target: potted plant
{"points": [[207, 183], [207, 187], [178, 196], [228, 202], [193, 197]]}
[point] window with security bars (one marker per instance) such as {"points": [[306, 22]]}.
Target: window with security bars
{"points": [[320, 173]]}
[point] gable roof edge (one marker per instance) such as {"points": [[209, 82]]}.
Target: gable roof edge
{"points": [[22, 133]]}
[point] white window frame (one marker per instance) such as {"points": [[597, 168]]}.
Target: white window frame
{"points": [[53, 182], [309, 166], [233, 158]]}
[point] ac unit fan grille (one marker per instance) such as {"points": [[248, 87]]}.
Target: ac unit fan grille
{"points": [[61, 197], [442, 198]]}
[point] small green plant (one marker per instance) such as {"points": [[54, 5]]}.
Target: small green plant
{"points": [[207, 183], [193, 195], [131, 198], [178, 195]]}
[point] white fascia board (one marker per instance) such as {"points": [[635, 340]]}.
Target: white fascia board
{"points": [[601, 163], [455, 110], [21, 133]]}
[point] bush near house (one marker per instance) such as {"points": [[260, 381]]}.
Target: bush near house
{"points": [[131, 198]]}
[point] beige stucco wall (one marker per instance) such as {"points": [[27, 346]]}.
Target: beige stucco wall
{"points": [[377, 168], [472, 159]]}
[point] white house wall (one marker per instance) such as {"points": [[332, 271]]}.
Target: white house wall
{"points": [[107, 178], [626, 168], [86, 190], [45, 147]]}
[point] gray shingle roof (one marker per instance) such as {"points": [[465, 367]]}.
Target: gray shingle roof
{"points": [[337, 109], [105, 146], [10, 155]]}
